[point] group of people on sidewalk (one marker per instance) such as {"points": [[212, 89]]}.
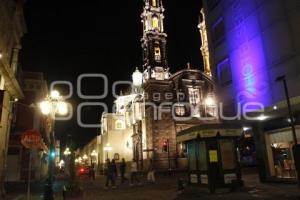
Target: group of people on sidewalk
{"points": [[111, 173]]}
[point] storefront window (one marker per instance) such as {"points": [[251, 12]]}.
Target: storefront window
{"points": [[283, 160], [202, 156], [228, 154], [279, 147], [192, 156]]}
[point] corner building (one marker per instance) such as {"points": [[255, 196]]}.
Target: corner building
{"points": [[252, 43]]}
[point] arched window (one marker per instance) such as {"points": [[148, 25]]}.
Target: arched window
{"points": [[157, 53], [155, 23], [119, 124]]}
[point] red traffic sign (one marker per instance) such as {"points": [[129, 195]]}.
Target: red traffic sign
{"points": [[31, 139]]}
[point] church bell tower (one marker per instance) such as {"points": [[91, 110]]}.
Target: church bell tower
{"points": [[154, 41]]}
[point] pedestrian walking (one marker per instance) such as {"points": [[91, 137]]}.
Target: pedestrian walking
{"points": [[114, 169], [64, 192], [150, 174], [109, 175], [133, 176], [123, 170]]}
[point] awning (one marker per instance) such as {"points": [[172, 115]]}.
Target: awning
{"points": [[207, 131]]}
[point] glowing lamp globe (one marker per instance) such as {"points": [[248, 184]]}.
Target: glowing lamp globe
{"points": [[209, 101], [54, 94], [62, 108], [45, 107]]}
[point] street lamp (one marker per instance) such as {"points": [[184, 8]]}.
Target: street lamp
{"points": [[51, 106], [80, 160], [85, 157], [94, 155], [67, 152], [296, 147], [282, 78], [107, 148]]}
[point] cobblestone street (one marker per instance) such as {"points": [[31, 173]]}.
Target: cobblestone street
{"points": [[166, 189]]}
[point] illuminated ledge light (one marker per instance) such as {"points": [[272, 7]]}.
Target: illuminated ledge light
{"points": [[262, 117]]}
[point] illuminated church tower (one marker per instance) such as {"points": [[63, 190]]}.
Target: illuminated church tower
{"points": [[154, 41]]}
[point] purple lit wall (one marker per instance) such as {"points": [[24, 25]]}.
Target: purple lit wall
{"points": [[246, 52]]}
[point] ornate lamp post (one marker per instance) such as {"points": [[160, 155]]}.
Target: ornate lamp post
{"points": [[67, 152], [94, 155], [51, 106]]}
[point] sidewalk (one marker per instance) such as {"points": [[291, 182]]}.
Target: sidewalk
{"points": [[18, 190], [252, 189], [24, 197]]}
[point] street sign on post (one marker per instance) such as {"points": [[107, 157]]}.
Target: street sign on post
{"points": [[31, 139]]}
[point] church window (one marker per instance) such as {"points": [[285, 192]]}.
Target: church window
{"points": [[155, 24], [180, 109], [119, 125], [154, 3], [157, 54], [194, 96]]}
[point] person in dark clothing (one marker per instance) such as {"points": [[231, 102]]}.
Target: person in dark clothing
{"points": [[114, 169], [123, 170], [109, 172]]}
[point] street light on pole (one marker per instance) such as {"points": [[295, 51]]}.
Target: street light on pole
{"points": [[94, 155], [52, 105], [296, 147], [67, 152]]}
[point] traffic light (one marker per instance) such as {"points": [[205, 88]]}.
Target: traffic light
{"points": [[165, 146], [52, 154]]}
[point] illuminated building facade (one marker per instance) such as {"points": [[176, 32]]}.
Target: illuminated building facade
{"points": [[12, 28], [145, 122], [251, 43]]}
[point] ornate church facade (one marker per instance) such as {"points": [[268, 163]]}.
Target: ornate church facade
{"points": [[147, 120]]}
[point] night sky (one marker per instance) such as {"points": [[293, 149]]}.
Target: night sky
{"points": [[67, 38]]}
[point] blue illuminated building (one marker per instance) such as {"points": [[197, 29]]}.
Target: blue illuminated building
{"points": [[251, 43]]}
